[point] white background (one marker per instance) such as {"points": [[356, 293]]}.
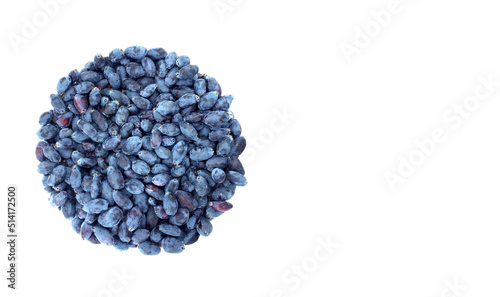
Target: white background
{"points": [[317, 175]]}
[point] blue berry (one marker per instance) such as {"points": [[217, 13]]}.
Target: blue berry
{"points": [[208, 100], [149, 248], [120, 245], [156, 53], [122, 200], [238, 146], [200, 87], [224, 102], [217, 118], [51, 154], [84, 87], [186, 199], [221, 205], [187, 100], [170, 60], [131, 85], [167, 108], [110, 217], [103, 235], [116, 55], [170, 204], [218, 175], [115, 178], [188, 130], [46, 117], [148, 90], [134, 186], [132, 145], [57, 103], [180, 218], [236, 178], [172, 77], [96, 206], [182, 61], [172, 245], [201, 153], [136, 52], [149, 67], [135, 70], [188, 72], [204, 227], [91, 76], [63, 84], [140, 167], [216, 162], [170, 230], [86, 230], [224, 146], [213, 85]]}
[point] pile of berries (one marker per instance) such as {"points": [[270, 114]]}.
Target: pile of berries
{"points": [[140, 150]]}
